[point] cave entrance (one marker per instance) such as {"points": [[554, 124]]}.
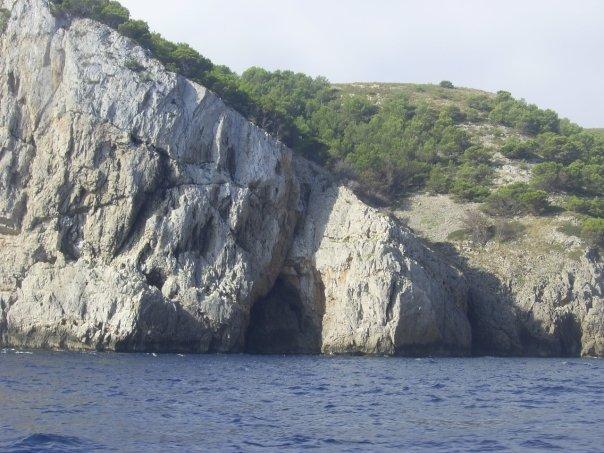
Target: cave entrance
{"points": [[281, 324]]}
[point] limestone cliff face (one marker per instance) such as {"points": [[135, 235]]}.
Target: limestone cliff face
{"points": [[539, 294], [361, 283], [138, 212], [544, 312]]}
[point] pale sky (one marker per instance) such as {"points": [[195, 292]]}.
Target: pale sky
{"points": [[550, 52]]}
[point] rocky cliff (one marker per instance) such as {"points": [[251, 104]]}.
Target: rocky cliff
{"points": [[139, 212], [539, 294]]}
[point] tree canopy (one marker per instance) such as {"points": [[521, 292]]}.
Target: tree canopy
{"points": [[394, 144]]}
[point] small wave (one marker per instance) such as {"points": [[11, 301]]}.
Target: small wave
{"points": [[538, 443], [40, 442]]}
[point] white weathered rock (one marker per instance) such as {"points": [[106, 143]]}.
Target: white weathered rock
{"points": [[136, 190], [138, 212], [365, 284]]}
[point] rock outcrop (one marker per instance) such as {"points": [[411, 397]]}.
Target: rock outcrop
{"points": [[539, 294], [541, 314], [139, 212], [361, 283]]}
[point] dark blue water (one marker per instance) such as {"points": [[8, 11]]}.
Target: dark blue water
{"points": [[88, 402]]}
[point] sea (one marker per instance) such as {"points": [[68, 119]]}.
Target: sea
{"points": [[84, 402]]}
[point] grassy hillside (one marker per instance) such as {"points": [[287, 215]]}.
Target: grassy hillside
{"points": [[597, 131], [392, 140], [417, 93]]}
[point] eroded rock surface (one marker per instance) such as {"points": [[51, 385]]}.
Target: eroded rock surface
{"points": [[138, 212], [365, 284], [538, 294], [544, 313]]}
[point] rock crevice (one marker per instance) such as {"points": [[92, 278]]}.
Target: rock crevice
{"points": [[140, 213]]}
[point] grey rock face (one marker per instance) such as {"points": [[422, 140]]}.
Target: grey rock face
{"points": [[541, 294], [363, 283], [545, 315], [138, 212]]}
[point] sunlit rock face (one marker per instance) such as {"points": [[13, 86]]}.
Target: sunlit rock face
{"points": [[139, 212], [364, 283]]}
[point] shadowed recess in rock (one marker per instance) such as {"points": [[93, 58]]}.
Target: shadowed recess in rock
{"points": [[280, 324]]}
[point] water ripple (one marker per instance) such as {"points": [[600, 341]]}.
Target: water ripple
{"points": [[86, 402]]}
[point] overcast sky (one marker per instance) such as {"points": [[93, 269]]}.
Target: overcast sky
{"points": [[550, 52]]}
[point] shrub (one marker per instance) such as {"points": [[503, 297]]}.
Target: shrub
{"points": [[454, 113], [584, 178], [478, 227], [518, 149], [570, 229], [446, 84], [527, 118], [389, 148], [548, 176], [134, 65], [479, 174], [517, 198], [189, 62], [592, 230], [471, 181], [113, 14], [440, 179], [84, 8], [469, 191], [137, 30], [458, 235], [453, 142], [568, 128], [534, 201], [477, 155], [480, 102], [593, 207], [533, 120], [591, 177], [507, 231], [558, 148]]}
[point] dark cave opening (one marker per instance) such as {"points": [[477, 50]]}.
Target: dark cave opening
{"points": [[281, 324]]}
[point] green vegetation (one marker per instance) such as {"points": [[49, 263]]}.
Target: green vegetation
{"points": [[458, 235], [480, 229], [515, 199], [592, 230], [393, 139], [134, 65], [589, 229], [506, 231], [590, 206], [526, 118], [519, 149], [597, 131]]}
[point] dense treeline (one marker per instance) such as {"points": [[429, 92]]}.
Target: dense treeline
{"points": [[395, 146]]}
